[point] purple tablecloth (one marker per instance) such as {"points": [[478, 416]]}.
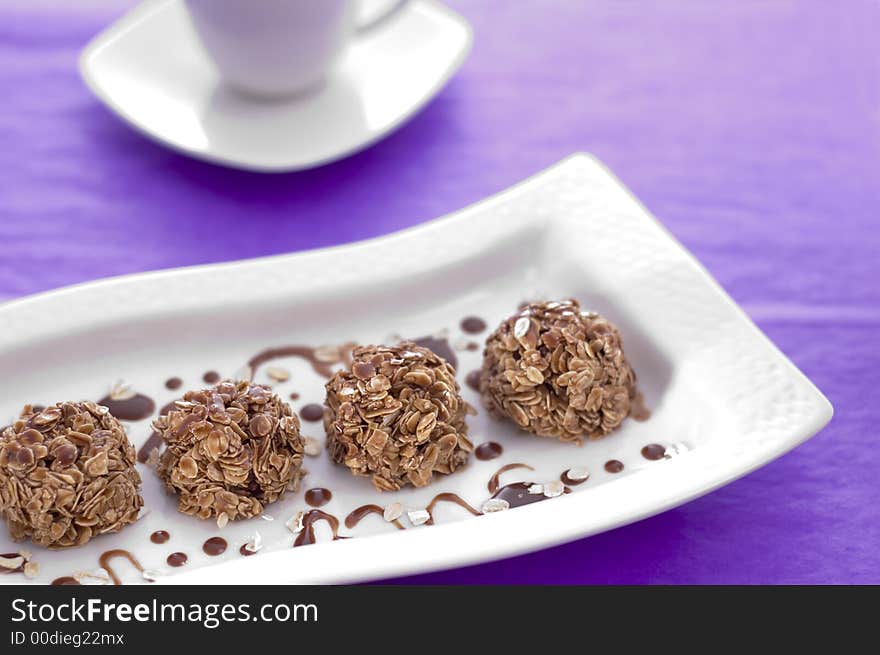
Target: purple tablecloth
{"points": [[751, 128]]}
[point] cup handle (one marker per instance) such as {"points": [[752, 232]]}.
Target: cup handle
{"points": [[392, 7]]}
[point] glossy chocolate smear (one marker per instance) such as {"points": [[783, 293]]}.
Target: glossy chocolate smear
{"points": [[136, 408]]}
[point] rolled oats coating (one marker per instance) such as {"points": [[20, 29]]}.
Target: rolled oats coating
{"points": [[67, 474], [396, 416], [230, 450], [557, 371]]}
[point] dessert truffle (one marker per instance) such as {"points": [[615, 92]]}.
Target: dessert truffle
{"points": [[67, 474], [230, 450], [558, 371], [397, 416]]}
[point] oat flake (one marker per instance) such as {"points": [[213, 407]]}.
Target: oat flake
{"points": [[278, 374], [418, 516], [295, 524], [495, 505], [553, 489], [577, 473], [312, 447], [255, 544], [392, 512]]}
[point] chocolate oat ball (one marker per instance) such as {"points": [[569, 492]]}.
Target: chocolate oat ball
{"points": [[230, 450], [67, 474], [396, 415], [558, 371]]}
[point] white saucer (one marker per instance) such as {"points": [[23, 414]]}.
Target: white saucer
{"points": [[150, 69]]}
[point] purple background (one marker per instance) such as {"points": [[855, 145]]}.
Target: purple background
{"points": [[751, 128]]}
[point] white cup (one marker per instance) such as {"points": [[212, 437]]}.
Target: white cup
{"points": [[278, 48]]}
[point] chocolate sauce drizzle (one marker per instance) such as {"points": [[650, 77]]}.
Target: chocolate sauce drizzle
{"points": [[65, 580], [105, 558], [307, 353], [307, 534], [448, 498], [488, 450], [312, 412], [356, 515], [136, 408], [17, 569], [493, 484], [318, 497]]}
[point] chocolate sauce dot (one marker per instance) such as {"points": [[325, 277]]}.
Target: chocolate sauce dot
{"points": [[177, 559], [654, 451], [472, 346], [294, 396], [173, 383], [215, 546], [614, 466], [318, 496], [65, 580], [244, 551], [473, 325], [472, 379], [160, 537], [211, 377], [488, 450], [312, 412]]}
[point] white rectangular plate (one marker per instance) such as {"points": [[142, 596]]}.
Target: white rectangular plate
{"points": [[714, 383]]}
